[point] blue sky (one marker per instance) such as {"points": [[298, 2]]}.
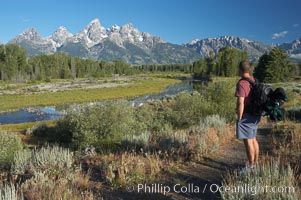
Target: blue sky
{"points": [[177, 21]]}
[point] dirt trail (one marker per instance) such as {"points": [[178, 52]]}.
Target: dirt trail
{"points": [[231, 155], [210, 171]]}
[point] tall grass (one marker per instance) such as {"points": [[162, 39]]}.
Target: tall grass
{"points": [[211, 121], [270, 180], [136, 140], [10, 192], [293, 112], [125, 168], [286, 141], [46, 158], [49, 174], [42, 186]]}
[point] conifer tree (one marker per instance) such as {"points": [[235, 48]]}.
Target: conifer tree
{"points": [[273, 67]]}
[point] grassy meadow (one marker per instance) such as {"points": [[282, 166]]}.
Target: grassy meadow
{"points": [[46, 98]]}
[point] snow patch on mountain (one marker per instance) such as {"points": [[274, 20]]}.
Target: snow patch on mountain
{"points": [[60, 36], [129, 44], [97, 42], [93, 34]]}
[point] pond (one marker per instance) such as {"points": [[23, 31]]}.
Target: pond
{"points": [[34, 114]]}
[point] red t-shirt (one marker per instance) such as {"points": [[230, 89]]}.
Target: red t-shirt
{"points": [[243, 89]]}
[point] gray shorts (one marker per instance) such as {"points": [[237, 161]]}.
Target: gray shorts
{"points": [[247, 127]]}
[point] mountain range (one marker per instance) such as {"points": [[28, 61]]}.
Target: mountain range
{"points": [[129, 44], [253, 48]]}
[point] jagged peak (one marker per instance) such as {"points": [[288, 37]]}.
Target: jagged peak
{"points": [[30, 30], [31, 34], [192, 42], [95, 21], [62, 28], [115, 27], [128, 26], [94, 26], [60, 34], [224, 37]]}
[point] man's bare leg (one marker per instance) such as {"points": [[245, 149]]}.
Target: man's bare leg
{"points": [[256, 148], [247, 149], [249, 144]]}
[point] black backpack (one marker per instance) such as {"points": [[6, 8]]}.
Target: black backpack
{"points": [[274, 107], [261, 94]]}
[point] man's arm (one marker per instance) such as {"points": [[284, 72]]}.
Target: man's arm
{"points": [[240, 107]]}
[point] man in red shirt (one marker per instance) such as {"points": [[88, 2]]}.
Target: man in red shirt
{"points": [[247, 122]]}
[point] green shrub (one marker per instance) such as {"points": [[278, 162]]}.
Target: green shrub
{"points": [[211, 121], [202, 142], [269, 175], [199, 129], [21, 161], [114, 123], [40, 130], [48, 79], [46, 158], [106, 124], [9, 144], [293, 112], [136, 140], [52, 157], [47, 133], [88, 126], [10, 192], [220, 95], [172, 140], [214, 121], [163, 120], [189, 109], [145, 117]]}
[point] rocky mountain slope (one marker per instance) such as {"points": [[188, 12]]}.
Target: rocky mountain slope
{"points": [[127, 43], [253, 48], [97, 42], [293, 49]]}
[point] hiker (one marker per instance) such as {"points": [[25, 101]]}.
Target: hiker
{"points": [[247, 122]]}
